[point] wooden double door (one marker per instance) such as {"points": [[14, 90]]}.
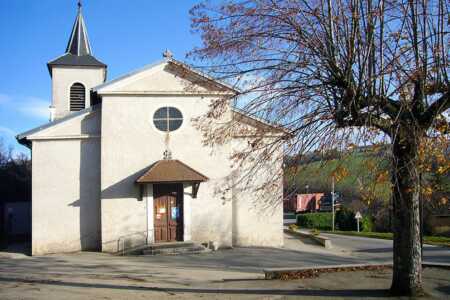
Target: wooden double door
{"points": [[168, 212]]}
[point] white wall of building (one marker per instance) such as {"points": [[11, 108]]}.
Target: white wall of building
{"points": [[65, 195], [66, 186], [63, 77], [131, 143], [258, 200], [85, 168]]}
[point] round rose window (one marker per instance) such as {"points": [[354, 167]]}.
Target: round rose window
{"points": [[167, 118]]}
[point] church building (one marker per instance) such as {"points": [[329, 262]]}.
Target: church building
{"points": [[122, 163]]}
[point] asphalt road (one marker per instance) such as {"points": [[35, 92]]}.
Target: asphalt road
{"points": [[379, 249], [225, 274], [361, 248], [295, 253], [102, 276]]}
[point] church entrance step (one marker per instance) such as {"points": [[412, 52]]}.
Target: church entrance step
{"points": [[174, 249], [170, 245]]}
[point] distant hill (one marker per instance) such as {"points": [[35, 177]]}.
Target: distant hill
{"points": [[362, 183], [313, 173], [359, 187], [369, 151]]}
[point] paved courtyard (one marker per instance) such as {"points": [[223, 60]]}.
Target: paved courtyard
{"points": [[223, 274]]}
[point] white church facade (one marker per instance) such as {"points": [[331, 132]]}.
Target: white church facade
{"points": [[122, 164]]}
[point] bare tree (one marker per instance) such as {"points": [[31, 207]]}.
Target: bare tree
{"points": [[15, 175], [340, 72]]}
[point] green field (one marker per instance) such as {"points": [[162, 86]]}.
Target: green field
{"points": [[362, 170], [365, 185]]}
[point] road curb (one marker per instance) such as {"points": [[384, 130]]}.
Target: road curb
{"points": [[322, 241], [308, 272], [436, 265]]}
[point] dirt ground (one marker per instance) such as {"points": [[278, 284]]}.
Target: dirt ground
{"points": [[228, 274], [229, 285]]}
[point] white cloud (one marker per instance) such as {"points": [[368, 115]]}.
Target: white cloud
{"points": [[27, 105], [7, 131], [34, 107]]}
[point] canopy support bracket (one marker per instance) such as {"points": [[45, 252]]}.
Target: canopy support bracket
{"points": [[195, 187]]}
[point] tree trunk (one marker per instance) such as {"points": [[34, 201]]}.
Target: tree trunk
{"points": [[407, 270]]}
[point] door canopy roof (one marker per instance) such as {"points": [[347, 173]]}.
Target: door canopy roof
{"points": [[171, 171]]}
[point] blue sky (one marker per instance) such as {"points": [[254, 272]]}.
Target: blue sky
{"points": [[124, 34]]}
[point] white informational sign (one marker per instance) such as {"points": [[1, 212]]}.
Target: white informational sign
{"points": [[358, 217]]}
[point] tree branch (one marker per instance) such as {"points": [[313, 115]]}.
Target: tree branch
{"points": [[366, 120], [436, 108]]}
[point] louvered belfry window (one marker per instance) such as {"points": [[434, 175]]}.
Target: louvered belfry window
{"points": [[77, 97]]}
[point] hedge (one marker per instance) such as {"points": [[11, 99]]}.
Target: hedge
{"points": [[345, 221], [367, 224], [321, 221]]}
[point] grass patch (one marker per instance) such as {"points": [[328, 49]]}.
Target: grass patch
{"points": [[432, 240], [437, 240], [317, 175]]}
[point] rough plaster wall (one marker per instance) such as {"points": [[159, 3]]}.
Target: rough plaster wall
{"points": [[62, 80], [258, 214], [162, 78], [87, 123], [65, 196], [131, 143], [161, 81]]}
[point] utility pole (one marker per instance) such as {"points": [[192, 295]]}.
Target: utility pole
{"points": [[332, 202]]}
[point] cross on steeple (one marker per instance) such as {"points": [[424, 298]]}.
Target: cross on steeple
{"points": [[79, 42], [78, 51], [167, 54]]}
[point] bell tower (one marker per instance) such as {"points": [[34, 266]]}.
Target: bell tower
{"points": [[75, 73]]}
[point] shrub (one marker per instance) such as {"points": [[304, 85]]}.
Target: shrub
{"points": [[315, 232], [345, 220], [320, 221], [382, 220], [293, 227], [441, 231], [367, 224]]}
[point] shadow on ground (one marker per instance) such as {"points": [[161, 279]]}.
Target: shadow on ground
{"points": [[17, 248], [281, 292]]}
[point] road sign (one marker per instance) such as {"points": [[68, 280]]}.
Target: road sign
{"points": [[358, 217]]}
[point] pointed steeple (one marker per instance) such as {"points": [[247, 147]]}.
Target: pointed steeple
{"points": [[78, 51], [79, 42]]}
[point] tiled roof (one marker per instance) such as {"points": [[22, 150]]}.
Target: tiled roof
{"points": [[170, 170], [78, 50], [79, 42], [75, 60]]}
